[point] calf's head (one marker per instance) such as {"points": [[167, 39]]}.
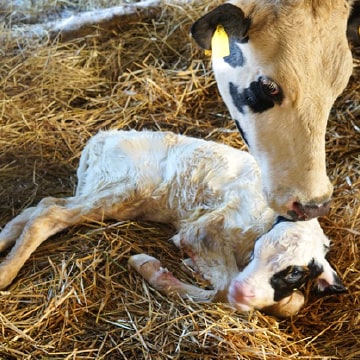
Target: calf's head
{"points": [[283, 260], [283, 66]]}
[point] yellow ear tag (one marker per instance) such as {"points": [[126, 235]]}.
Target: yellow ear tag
{"points": [[220, 43]]}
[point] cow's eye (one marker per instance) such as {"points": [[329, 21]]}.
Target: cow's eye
{"points": [[270, 87]]}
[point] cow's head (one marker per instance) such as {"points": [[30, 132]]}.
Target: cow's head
{"points": [[279, 66], [283, 260]]}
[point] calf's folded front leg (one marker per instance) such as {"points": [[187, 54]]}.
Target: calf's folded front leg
{"points": [[165, 282]]}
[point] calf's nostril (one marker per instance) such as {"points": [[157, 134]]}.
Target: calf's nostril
{"points": [[305, 212], [240, 294]]}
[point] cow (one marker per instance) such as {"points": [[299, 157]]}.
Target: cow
{"points": [[279, 66], [211, 193]]}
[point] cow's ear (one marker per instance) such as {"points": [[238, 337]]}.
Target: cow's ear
{"points": [[229, 16], [353, 26], [329, 282]]}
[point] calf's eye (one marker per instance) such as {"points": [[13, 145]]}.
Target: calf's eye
{"points": [[294, 276]]}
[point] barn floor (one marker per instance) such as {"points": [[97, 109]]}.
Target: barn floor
{"points": [[76, 298]]}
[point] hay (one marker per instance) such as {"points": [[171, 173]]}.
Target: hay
{"points": [[75, 298]]}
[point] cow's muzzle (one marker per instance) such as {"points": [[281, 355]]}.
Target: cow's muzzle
{"points": [[305, 212]]}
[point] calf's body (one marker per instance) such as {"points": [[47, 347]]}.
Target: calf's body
{"points": [[210, 192]]}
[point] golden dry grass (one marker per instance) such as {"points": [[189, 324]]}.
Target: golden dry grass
{"points": [[75, 298]]}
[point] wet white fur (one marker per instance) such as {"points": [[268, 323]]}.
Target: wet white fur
{"points": [[210, 192]]}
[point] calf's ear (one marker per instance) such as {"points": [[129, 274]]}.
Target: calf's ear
{"points": [[329, 282], [229, 16]]}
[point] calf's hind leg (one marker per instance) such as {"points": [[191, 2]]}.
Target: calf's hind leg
{"points": [[49, 217], [14, 228]]}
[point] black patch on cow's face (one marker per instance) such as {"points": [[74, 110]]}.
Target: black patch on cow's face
{"points": [[236, 57], [241, 131], [286, 281], [237, 97], [260, 96]]}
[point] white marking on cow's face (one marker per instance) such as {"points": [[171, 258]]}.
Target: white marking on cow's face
{"points": [[279, 84], [283, 260]]}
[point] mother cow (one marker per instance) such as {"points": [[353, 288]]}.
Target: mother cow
{"points": [[279, 66]]}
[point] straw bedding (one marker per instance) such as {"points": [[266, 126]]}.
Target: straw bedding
{"points": [[76, 298]]}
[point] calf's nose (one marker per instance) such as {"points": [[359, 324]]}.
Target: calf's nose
{"points": [[240, 296], [300, 211]]}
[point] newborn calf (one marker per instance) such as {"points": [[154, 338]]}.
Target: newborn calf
{"points": [[212, 194]]}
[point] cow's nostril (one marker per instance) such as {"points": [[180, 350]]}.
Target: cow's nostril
{"points": [[305, 212]]}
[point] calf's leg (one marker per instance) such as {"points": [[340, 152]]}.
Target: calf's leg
{"points": [[165, 282], [14, 228], [50, 216]]}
